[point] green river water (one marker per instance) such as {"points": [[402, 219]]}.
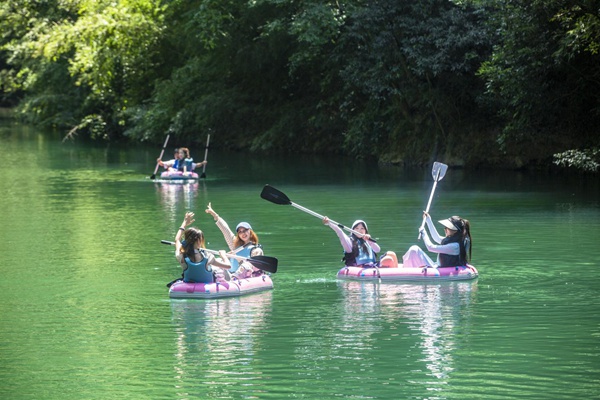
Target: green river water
{"points": [[85, 314]]}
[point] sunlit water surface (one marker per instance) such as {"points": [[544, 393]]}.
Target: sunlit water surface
{"points": [[85, 313]]}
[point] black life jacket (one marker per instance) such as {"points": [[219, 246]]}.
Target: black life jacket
{"points": [[447, 260]]}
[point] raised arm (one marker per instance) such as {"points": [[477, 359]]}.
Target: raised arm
{"points": [[344, 239], [452, 249], [434, 233], [188, 219], [222, 225]]}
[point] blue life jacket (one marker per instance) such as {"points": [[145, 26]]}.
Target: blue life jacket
{"points": [[244, 252], [176, 164], [359, 256], [189, 164], [198, 272]]}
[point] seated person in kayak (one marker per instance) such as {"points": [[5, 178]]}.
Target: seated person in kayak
{"points": [[359, 250], [453, 250], [243, 243], [198, 266], [171, 164], [182, 162], [187, 162]]}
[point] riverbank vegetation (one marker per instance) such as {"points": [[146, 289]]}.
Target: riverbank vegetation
{"points": [[470, 82]]}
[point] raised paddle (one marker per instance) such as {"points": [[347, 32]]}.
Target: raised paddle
{"points": [[438, 171], [160, 157], [205, 156], [273, 195], [264, 263]]}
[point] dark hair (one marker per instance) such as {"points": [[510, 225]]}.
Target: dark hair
{"points": [[364, 243], [186, 152], [191, 235], [464, 229]]}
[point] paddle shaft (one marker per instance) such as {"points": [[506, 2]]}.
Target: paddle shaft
{"points": [[306, 210], [160, 157], [206, 153], [229, 255], [207, 250], [430, 199]]}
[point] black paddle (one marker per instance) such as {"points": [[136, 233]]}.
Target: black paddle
{"points": [[273, 195], [205, 156], [160, 158], [264, 263]]}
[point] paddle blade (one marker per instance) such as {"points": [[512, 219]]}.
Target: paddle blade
{"points": [[202, 175], [438, 171], [153, 176], [265, 263], [273, 195]]}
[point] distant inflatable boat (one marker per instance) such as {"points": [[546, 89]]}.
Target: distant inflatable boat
{"points": [[232, 288], [178, 176], [401, 273]]}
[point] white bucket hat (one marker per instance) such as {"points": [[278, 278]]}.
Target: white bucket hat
{"points": [[360, 221]]}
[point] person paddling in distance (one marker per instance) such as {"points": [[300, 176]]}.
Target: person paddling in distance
{"points": [[181, 161], [244, 242], [198, 266], [359, 250], [171, 164], [453, 250]]}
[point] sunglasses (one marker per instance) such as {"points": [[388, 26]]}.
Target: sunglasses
{"points": [[241, 231]]}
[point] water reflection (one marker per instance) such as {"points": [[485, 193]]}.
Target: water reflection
{"points": [[172, 193], [438, 315], [213, 336]]}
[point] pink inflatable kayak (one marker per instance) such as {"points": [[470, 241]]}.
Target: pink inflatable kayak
{"points": [[409, 273], [235, 287], [178, 176]]}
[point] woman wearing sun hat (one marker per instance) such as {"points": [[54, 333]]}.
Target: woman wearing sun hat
{"points": [[358, 249], [453, 250], [244, 243]]}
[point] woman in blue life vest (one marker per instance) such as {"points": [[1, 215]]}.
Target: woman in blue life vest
{"points": [[453, 250], [186, 163], [358, 249], [244, 243], [198, 266], [182, 161]]}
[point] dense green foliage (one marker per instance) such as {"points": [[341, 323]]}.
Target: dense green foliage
{"points": [[469, 82], [544, 76]]}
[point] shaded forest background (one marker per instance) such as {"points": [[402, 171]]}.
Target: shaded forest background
{"points": [[471, 83]]}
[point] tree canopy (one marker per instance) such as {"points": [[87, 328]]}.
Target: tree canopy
{"points": [[472, 82]]}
